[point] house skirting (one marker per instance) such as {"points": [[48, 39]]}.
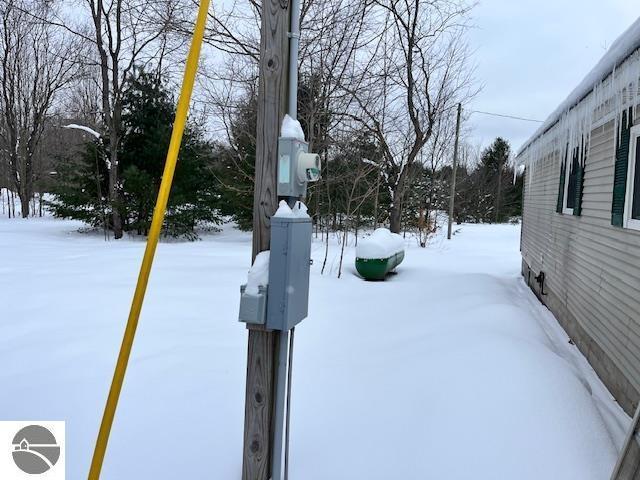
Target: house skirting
{"points": [[621, 389], [619, 386]]}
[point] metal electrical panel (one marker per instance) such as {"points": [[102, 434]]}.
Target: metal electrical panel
{"points": [[289, 265]]}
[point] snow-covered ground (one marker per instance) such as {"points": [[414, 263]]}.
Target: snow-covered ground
{"points": [[448, 370]]}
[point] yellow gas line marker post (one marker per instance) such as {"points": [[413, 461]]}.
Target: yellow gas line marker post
{"points": [[152, 241]]}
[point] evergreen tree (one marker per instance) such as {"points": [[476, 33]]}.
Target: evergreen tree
{"points": [[81, 187], [487, 193], [147, 118], [496, 177]]}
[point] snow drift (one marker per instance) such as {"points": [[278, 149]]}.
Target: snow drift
{"points": [[451, 371]]}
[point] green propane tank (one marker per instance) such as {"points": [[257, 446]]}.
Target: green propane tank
{"points": [[379, 254]]}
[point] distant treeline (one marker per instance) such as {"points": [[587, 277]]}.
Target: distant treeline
{"points": [[88, 97]]}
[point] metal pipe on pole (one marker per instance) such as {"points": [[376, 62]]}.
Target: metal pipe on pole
{"points": [[280, 452], [280, 406], [288, 414], [294, 47], [454, 171]]}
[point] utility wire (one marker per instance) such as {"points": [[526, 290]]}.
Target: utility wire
{"points": [[513, 117]]}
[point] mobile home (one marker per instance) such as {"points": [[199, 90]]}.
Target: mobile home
{"points": [[581, 217]]}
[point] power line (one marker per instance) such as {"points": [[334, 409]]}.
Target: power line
{"points": [[513, 117]]}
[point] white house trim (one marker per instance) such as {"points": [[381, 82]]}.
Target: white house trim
{"points": [[630, 222]]}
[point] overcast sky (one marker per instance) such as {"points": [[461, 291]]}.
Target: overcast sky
{"points": [[530, 54]]}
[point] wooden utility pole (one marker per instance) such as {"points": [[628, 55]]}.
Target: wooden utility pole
{"points": [[454, 171], [262, 344]]}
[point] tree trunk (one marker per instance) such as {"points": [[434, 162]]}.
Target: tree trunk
{"points": [[344, 244], [25, 185], [499, 194], [422, 227], [318, 216], [375, 205], [395, 217], [116, 220], [395, 213], [24, 201], [326, 251]]}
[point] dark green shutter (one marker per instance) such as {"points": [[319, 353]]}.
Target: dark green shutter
{"points": [[577, 209], [621, 168], [563, 171]]}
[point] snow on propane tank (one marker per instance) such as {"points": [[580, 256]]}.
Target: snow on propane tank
{"points": [[379, 254]]}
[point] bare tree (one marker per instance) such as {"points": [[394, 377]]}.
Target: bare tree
{"points": [[36, 63], [356, 196], [126, 33], [332, 33], [83, 102], [395, 68], [405, 83], [437, 155], [122, 35]]}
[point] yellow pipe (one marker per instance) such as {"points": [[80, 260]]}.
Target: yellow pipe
{"points": [[152, 242]]}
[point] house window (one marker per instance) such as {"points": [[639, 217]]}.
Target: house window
{"points": [[571, 182], [632, 201], [572, 178]]}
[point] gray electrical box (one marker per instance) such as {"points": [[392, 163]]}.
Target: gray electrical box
{"points": [[253, 308], [296, 167], [289, 265]]}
